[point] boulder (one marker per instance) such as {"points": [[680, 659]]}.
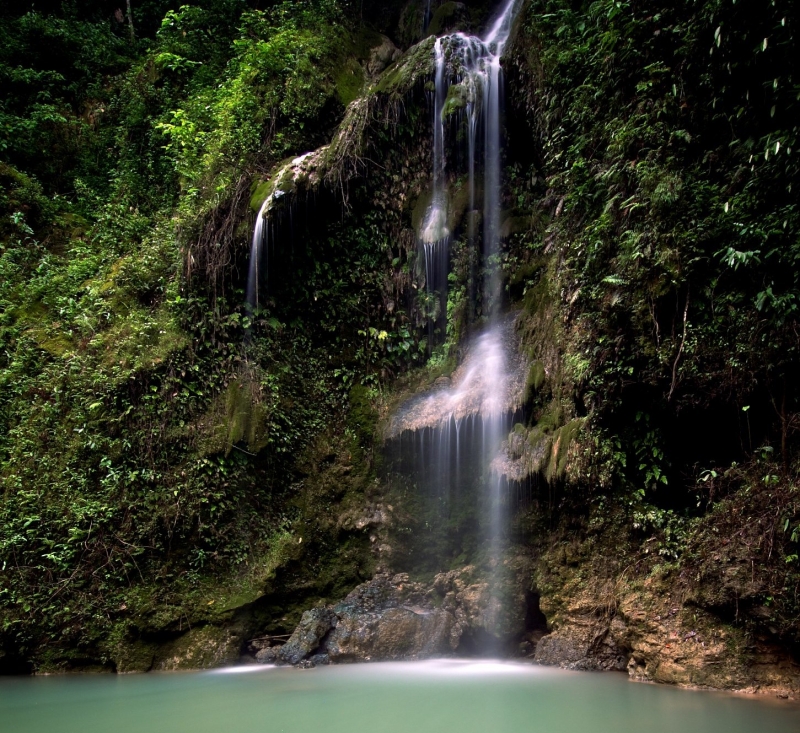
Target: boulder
{"points": [[308, 635], [391, 618], [268, 655], [395, 633]]}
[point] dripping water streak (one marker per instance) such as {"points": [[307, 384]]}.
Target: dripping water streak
{"points": [[256, 255]]}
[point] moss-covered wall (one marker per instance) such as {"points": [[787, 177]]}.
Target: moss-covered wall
{"points": [[172, 460]]}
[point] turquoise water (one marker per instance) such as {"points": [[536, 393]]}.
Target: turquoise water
{"points": [[462, 697]]}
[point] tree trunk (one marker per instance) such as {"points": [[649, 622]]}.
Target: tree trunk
{"points": [[130, 21]]}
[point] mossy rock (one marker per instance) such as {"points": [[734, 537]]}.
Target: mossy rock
{"points": [[284, 178], [447, 17], [552, 418], [129, 652], [349, 81], [53, 344], [536, 435], [401, 77], [562, 440], [457, 198], [420, 209], [203, 647], [535, 380], [362, 417], [538, 298], [236, 415], [259, 191], [457, 98], [524, 272]]}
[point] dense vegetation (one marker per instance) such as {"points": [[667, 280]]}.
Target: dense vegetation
{"points": [[132, 405], [163, 446], [665, 191]]}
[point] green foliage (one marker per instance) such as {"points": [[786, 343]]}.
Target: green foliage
{"points": [[271, 99], [665, 133], [52, 71], [149, 428]]}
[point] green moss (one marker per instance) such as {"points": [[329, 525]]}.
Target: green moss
{"points": [[401, 76], [552, 417], [420, 209], [349, 82], [54, 344], [443, 16], [524, 272], [537, 298], [456, 100], [362, 417], [457, 196], [258, 194], [245, 416], [535, 380], [562, 440]]}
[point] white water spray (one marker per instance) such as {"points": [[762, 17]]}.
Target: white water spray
{"points": [[259, 251]]}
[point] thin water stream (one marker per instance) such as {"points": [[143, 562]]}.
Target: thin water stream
{"points": [[437, 696]]}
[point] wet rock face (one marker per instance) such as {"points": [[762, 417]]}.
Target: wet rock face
{"points": [[396, 633], [381, 56], [313, 626], [587, 644], [656, 639], [393, 618], [268, 655]]}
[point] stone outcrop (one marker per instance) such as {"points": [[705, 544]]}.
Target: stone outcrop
{"points": [[313, 627], [657, 637], [381, 56], [394, 618]]}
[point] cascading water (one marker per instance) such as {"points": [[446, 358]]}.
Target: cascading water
{"points": [[471, 66], [264, 230], [435, 236], [426, 21], [259, 252], [447, 440]]}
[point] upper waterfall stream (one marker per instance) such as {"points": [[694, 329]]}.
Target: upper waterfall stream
{"points": [[468, 70]]}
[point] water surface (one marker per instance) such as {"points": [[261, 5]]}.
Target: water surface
{"points": [[444, 696]]}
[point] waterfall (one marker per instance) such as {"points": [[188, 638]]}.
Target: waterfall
{"points": [[266, 228], [447, 440], [259, 252], [435, 236], [472, 64], [496, 421], [492, 77]]}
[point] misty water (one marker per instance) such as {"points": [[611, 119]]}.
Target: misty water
{"points": [[412, 697]]}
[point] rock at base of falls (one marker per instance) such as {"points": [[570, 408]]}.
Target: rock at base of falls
{"points": [[389, 618], [313, 627]]}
